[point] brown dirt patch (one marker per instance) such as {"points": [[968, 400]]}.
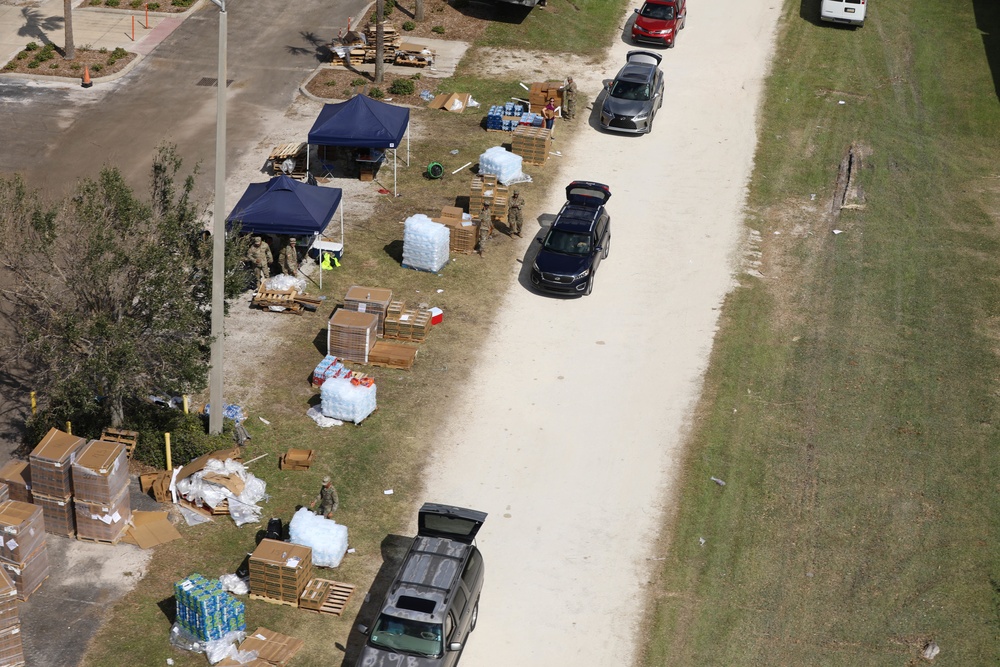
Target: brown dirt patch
{"points": [[101, 62], [342, 84], [161, 7], [465, 24]]}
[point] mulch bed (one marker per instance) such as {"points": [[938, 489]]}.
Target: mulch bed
{"points": [[342, 84], [157, 6], [100, 61]]}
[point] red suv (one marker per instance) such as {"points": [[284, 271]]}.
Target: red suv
{"points": [[658, 21]]}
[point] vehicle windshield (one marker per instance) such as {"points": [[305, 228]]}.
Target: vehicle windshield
{"points": [[629, 90], [568, 243], [401, 634], [658, 12]]}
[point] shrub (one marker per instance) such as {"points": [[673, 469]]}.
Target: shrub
{"points": [[119, 53], [76, 67], [112, 61], [416, 77], [33, 64], [401, 87], [21, 56], [376, 93], [438, 29], [96, 3], [358, 82], [135, 4], [112, 3], [54, 66], [49, 48], [153, 6], [188, 436], [181, 3], [102, 50], [10, 66], [409, 25], [331, 83], [97, 67], [32, 46], [388, 7]]}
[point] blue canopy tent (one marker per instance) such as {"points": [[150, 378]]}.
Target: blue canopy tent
{"points": [[285, 206], [362, 122]]}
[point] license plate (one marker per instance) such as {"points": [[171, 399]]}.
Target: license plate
{"points": [[849, 10]]}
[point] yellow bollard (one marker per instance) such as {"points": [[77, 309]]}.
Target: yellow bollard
{"points": [[170, 464], [69, 428], [34, 403], [187, 403]]}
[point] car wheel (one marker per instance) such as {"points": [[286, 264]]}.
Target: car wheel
{"points": [[475, 616], [607, 247]]}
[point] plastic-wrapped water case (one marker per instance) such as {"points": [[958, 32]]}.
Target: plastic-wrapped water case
{"points": [[341, 399], [205, 610], [501, 162], [326, 537], [425, 244]]}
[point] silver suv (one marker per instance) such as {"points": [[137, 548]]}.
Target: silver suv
{"points": [[433, 603]]}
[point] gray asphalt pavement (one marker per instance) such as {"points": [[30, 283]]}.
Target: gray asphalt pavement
{"points": [[55, 133]]}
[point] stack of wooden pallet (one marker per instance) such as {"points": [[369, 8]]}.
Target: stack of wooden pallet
{"points": [[326, 596], [127, 438], [391, 41], [532, 144], [296, 152], [284, 300], [485, 187], [413, 55]]}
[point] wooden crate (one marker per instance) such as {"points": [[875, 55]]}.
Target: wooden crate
{"points": [[280, 571]]}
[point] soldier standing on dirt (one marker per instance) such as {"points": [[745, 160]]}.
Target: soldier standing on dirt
{"points": [[259, 256], [485, 224], [288, 258], [514, 218], [569, 99]]}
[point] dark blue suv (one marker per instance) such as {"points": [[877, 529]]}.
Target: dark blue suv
{"points": [[577, 241]]}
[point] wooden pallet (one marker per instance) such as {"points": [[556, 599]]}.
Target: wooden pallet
{"points": [[262, 598], [336, 599], [97, 540], [127, 438], [265, 298]]}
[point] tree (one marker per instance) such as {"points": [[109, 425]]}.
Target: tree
{"points": [[70, 50], [107, 296], [379, 41], [418, 14]]}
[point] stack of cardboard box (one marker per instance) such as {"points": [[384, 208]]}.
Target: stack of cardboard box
{"points": [[540, 93], [350, 335], [279, 571], [369, 300], [51, 480], [16, 475], [100, 491], [464, 234], [23, 552], [532, 144], [11, 649]]}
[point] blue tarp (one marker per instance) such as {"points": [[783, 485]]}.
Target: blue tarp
{"points": [[360, 122], [285, 206]]}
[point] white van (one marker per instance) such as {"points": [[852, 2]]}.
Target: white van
{"points": [[843, 11]]}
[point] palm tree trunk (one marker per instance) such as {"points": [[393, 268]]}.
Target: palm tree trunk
{"points": [[379, 42], [70, 49], [418, 15]]}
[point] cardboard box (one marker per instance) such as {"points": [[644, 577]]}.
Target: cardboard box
{"points": [[103, 522], [350, 335], [22, 530], [100, 472], [59, 516], [51, 462], [17, 476], [297, 459], [463, 234], [149, 529], [8, 602], [273, 647], [28, 575], [453, 102], [280, 570], [11, 648]]}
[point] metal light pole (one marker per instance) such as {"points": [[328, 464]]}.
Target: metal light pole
{"points": [[219, 240]]}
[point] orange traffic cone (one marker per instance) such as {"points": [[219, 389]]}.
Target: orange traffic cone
{"points": [[87, 83]]}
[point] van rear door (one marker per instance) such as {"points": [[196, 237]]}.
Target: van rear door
{"points": [[844, 11]]}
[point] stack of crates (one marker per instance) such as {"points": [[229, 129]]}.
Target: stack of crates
{"points": [[279, 571], [23, 553], [11, 648], [532, 144], [486, 188], [207, 611], [100, 491], [51, 480]]}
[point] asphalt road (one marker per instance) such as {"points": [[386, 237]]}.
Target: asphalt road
{"points": [[57, 134]]}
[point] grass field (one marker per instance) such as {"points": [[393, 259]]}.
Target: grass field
{"points": [[851, 401]]}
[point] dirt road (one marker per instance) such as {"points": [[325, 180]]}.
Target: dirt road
{"points": [[589, 399]]}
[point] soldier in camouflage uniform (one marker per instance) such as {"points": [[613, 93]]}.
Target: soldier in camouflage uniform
{"points": [[514, 218], [327, 499], [259, 256], [485, 225], [288, 258], [569, 99]]}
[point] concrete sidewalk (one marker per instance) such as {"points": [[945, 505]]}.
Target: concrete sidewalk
{"points": [[43, 21]]}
